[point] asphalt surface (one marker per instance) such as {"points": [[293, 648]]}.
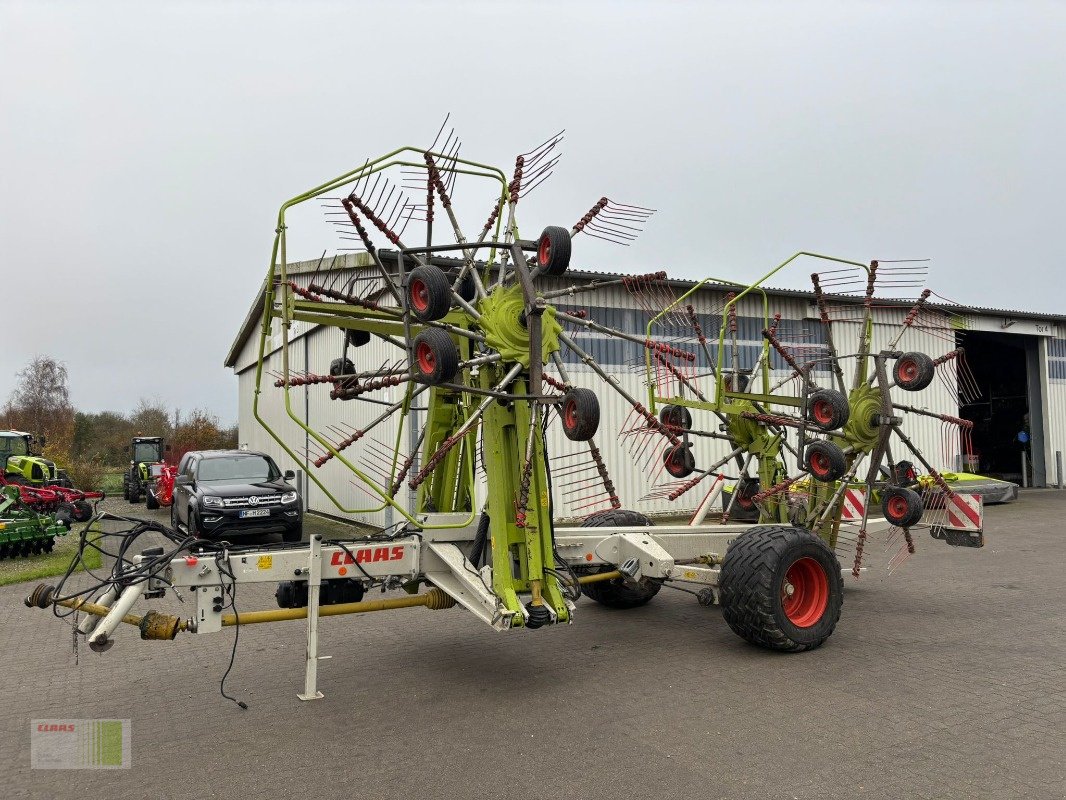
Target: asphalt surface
{"points": [[946, 679]]}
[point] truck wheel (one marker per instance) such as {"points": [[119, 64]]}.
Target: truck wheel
{"points": [[134, 494], [617, 593], [781, 588], [125, 487], [828, 409], [580, 413], [913, 371], [429, 293], [150, 500]]}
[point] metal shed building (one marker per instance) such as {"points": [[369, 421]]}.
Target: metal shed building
{"points": [[1018, 360]]}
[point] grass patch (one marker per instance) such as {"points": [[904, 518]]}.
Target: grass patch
{"points": [[111, 482], [47, 565]]}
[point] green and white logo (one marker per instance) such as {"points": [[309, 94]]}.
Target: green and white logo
{"points": [[80, 744]]}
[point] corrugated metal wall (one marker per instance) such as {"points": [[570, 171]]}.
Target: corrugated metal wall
{"points": [[1053, 375], [618, 308]]}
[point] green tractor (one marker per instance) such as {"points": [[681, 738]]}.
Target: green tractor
{"points": [[22, 462], [145, 465]]}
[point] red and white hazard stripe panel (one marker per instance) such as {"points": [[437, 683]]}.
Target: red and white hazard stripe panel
{"points": [[853, 505], [965, 511]]}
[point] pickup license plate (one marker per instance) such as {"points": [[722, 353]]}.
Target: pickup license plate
{"points": [[255, 512]]}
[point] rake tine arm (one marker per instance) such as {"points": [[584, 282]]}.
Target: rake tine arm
{"points": [[351, 439], [611, 381], [819, 298]]}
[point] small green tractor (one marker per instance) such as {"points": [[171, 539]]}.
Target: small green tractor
{"points": [[146, 462], [23, 463]]}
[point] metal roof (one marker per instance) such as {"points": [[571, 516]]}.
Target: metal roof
{"points": [[361, 260]]}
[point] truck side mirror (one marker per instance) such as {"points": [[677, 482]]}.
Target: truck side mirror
{"points": [[289, 475], [42, 441], [166, 449], [183, 480]]}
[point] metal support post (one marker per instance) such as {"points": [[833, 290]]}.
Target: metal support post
{"points": [[1058, 468], [1025, 471], [314, 585], [301, 487]]}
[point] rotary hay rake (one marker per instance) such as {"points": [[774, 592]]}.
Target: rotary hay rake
{"points": [[478, 367]]}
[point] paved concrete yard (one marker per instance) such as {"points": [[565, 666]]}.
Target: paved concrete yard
{"points": [[946, 679]]}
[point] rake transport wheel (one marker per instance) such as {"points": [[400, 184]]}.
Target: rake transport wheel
{"points": [[828, 409], [553, 250], [679, 460], [676, 417], [436, 358], [341, 366], [913, 371], [781, 588], [902, 507], [429, 293], [617, 593], [825, 461], [744, 508], [580, 414], [357, 338]]}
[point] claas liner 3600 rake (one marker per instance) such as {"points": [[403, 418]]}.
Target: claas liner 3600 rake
{"points": [[478, 353]]}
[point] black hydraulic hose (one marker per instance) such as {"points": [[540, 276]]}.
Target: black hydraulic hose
{"points": [[481, 538]]}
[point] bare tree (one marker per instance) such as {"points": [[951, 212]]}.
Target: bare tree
{"points": [[40, 403]]}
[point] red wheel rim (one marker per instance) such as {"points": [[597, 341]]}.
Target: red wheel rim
{"points": [[823, 412], [419, 294], [570, 415], [675, 462], [907, 370], [544, 251], [819, 463], [427, 359], [897, 507], [805, 592]]}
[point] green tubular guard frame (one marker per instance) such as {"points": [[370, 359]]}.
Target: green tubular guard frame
{"points": [[759, 441], [458, 414]]}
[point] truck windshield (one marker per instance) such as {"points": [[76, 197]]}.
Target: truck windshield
{"points": [[237, 469], [147, 452]]}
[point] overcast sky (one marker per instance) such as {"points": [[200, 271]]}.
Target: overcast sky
{"points": [[147, 146]]}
